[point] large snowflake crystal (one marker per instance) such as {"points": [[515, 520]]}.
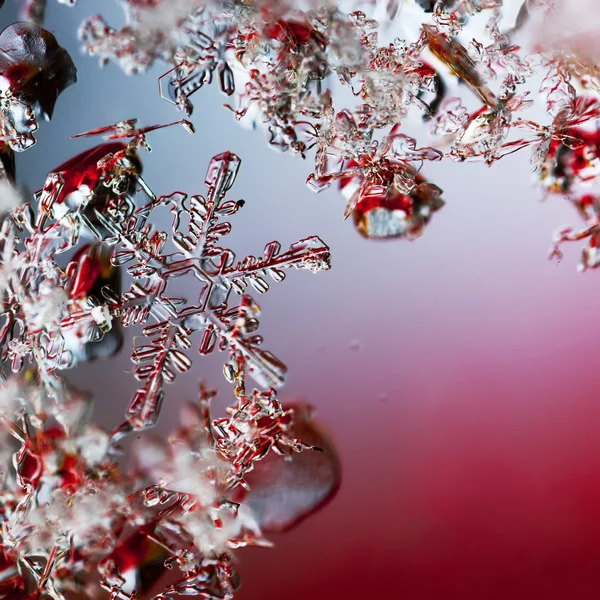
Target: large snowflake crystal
{"points": [[52, 315]]}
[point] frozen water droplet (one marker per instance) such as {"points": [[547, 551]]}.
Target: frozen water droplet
{"points": [[284, 491]]}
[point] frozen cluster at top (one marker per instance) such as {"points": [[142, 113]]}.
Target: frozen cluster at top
{"points": [[373, 91], [338, 81]]}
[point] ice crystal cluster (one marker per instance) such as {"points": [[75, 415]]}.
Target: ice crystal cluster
{"points": [[370, 93], [338, 81], [79, 262]]}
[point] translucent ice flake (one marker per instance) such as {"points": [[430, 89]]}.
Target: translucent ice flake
{"points": [[588, 207], [100, 193], [51, 316], [384, 166]]}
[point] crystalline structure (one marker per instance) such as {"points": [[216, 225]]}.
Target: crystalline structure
{"points": [[386, 167], [280, 64], [588, 207], [71, 516], [569, 164], [55, 317], [339, 84], [69, 511]]}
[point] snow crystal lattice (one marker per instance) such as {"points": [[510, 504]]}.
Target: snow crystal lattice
{"points": [[197, 229]]}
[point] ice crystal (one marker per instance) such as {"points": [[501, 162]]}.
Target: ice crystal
{"points": [[53, 316], [68, 510], [71, 516]]}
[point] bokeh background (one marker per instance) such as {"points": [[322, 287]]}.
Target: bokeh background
{"points": [[458, 374]]}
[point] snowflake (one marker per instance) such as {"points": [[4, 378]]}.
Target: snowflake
{"points": [[59, 314]]}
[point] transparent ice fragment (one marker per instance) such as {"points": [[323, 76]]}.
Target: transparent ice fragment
{"points": [[286, 490], [34, 70]]}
